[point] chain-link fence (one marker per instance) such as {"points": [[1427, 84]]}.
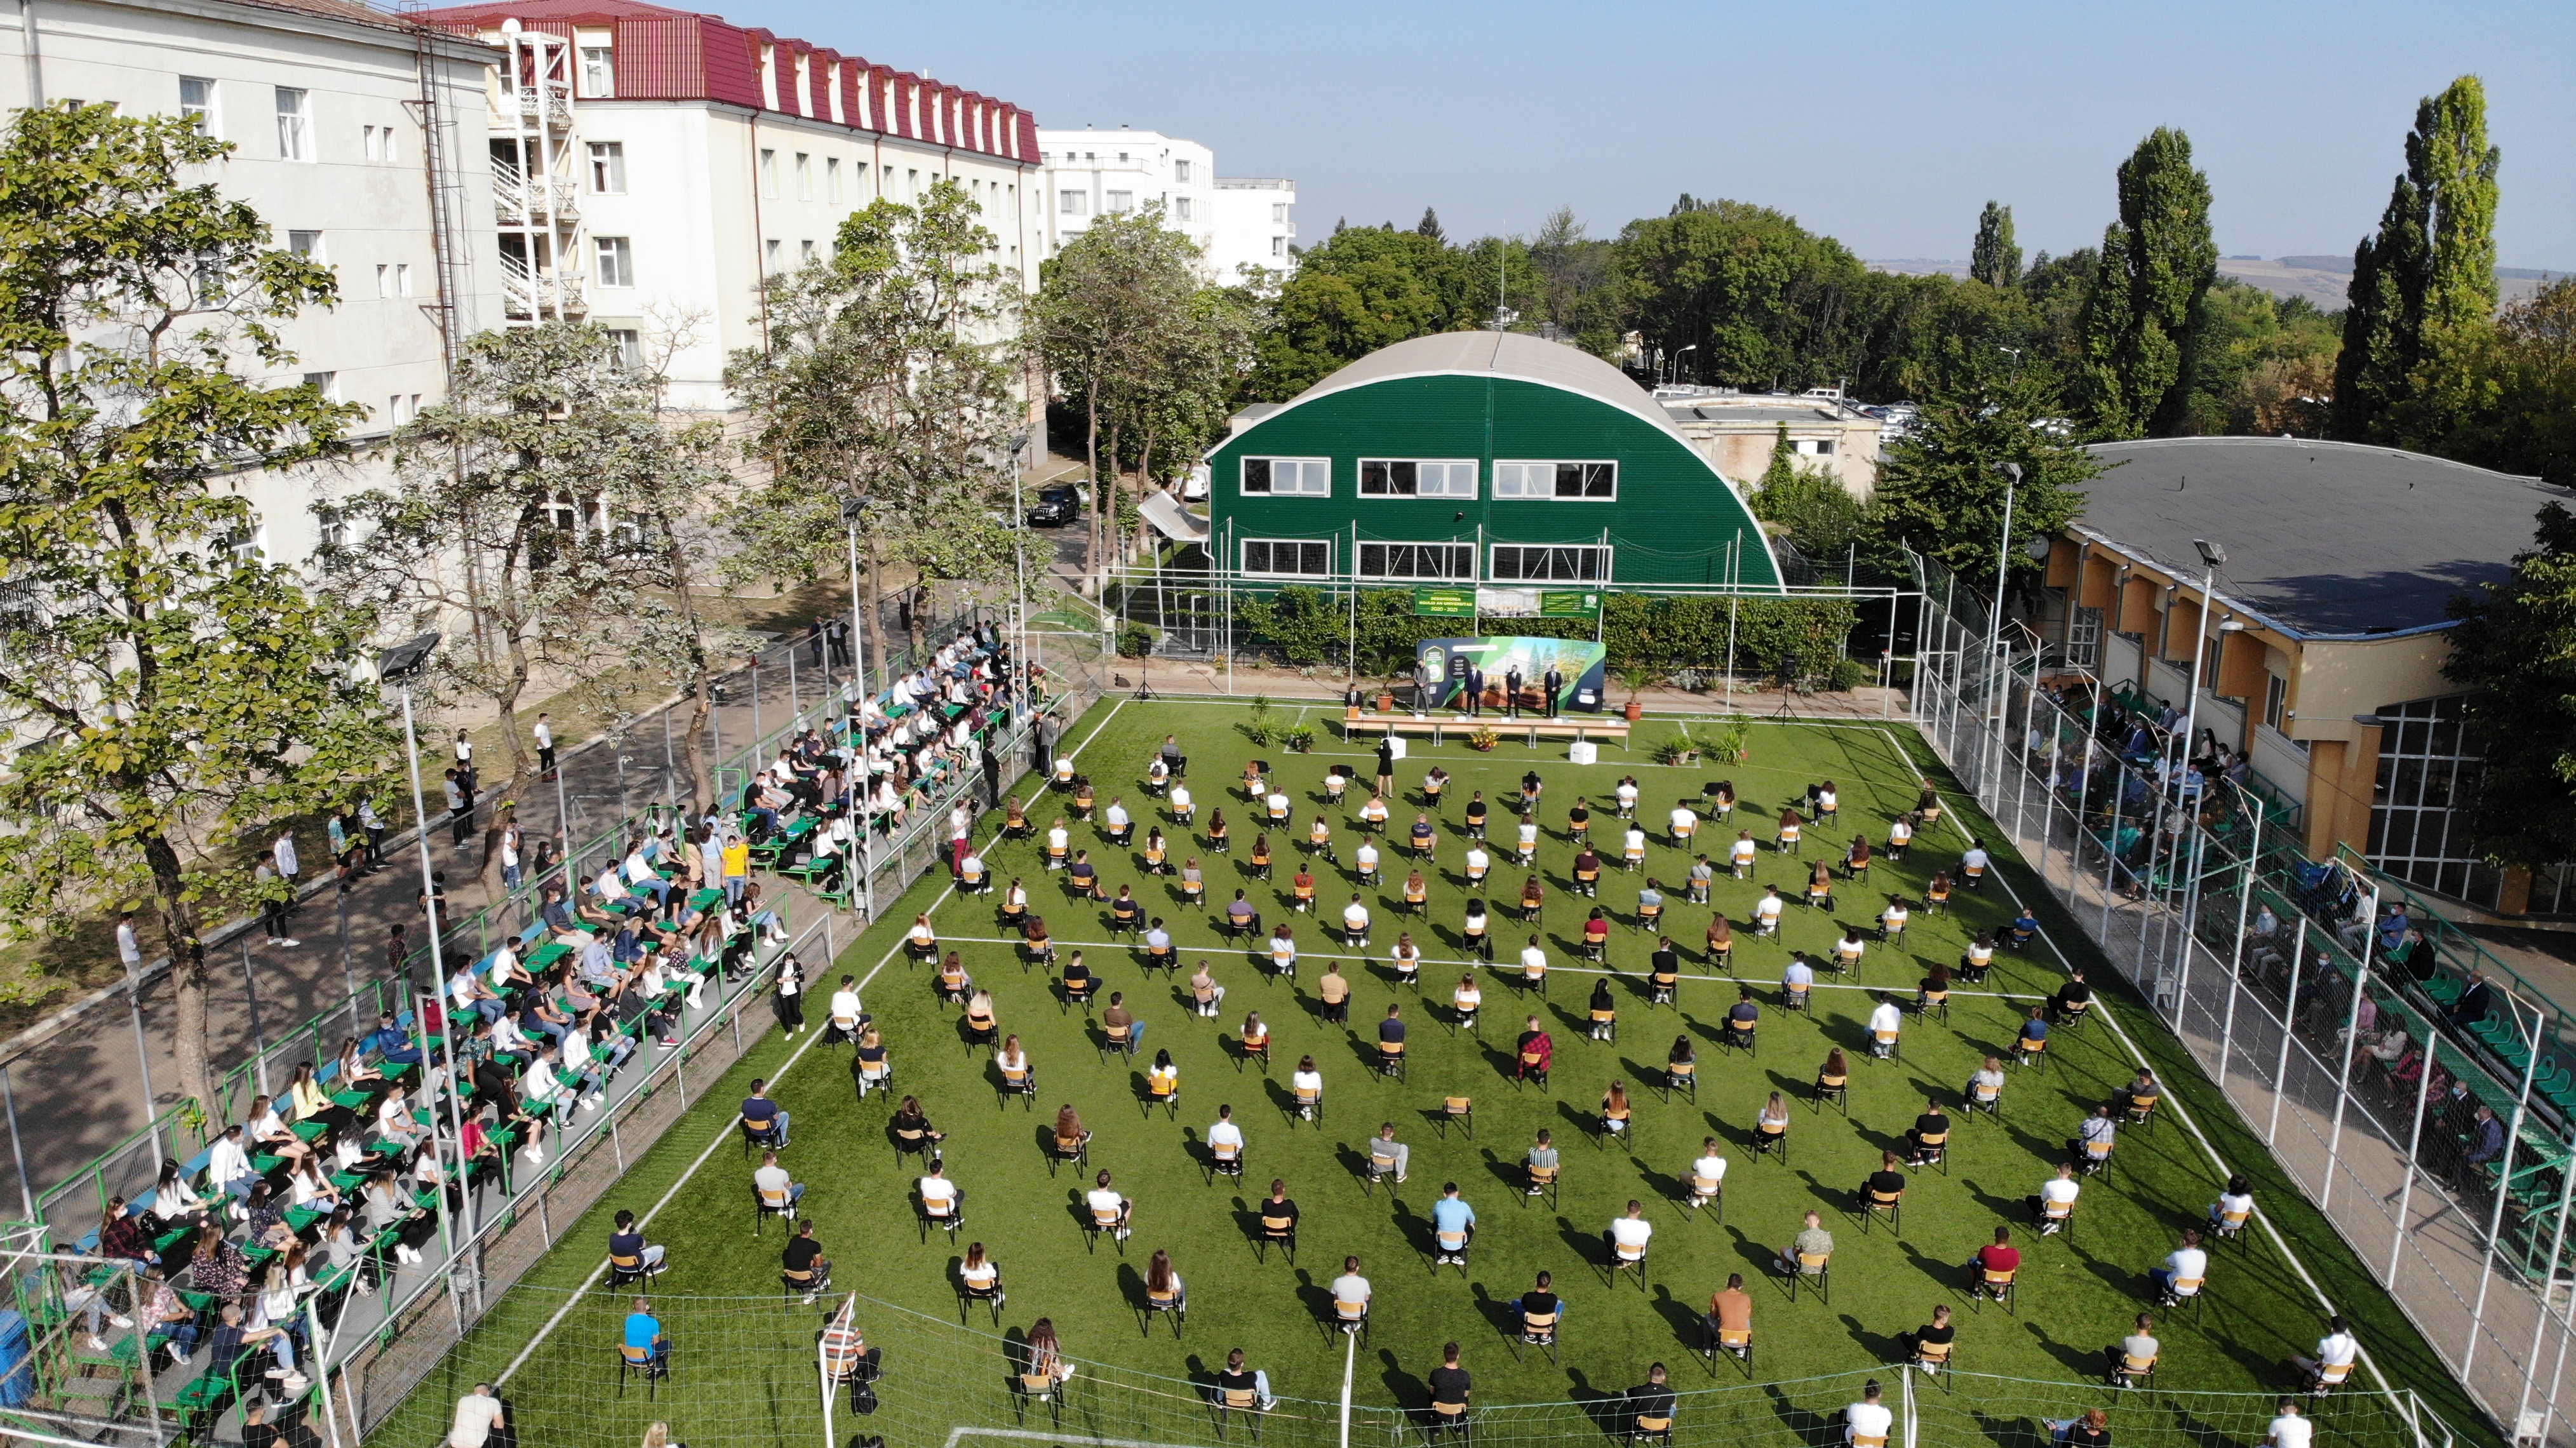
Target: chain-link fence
{"points": [[2425, 1142]]}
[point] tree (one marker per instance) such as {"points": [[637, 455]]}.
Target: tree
{"points": [[2534, 367], [1766, 303], [1996, 261], [1364, 288], [2423, 291], [1430, 226], [1578, 292], [2142, 316], [1112, 323], [885, 384], [1941, 488], [2514, 655], [508, 511], [180, 693], [1818, 514]]}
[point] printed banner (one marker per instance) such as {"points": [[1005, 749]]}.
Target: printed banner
{"points": [[1447, 666]]}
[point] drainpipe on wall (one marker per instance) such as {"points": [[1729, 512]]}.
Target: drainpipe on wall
{"points": [[35, 53]]}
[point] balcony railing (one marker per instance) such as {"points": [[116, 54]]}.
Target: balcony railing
{"points": [[532, 296], [520, 200]]}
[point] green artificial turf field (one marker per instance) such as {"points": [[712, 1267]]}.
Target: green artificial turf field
{"points": [[2077, 1291]]}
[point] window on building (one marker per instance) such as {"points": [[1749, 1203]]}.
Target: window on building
{"points": [[1586, 481], [243, 545], [805, 252], [769, 255], [1278, 212], [326, 383], [768, 173], [1551, 562], [294, 124], [832, 179], [1822, 447], [1181, 172], [2428, 769], [305, 244], [1073, 203], [608, 167], [1180, 208], [384, 279], [598, 72], [1453, 561], [1288, 477], [630, 347], [804, 177], [1278, 246], [197, 101], [402, 278], [2276, 700], [333, 526], [1410, 479], [1282, 558], [1118, 203], [616, 261]]}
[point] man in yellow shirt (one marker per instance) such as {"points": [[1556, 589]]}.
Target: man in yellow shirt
{"points": [[737, 867]]}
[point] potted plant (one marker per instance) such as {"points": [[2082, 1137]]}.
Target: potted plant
{"points": [[1483, 740], [1730, 746], [1681, 750], [1300, 738], [1636, 677]]}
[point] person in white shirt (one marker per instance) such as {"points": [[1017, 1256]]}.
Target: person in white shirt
{"points": [[2289, 1430], [1225, 1132], [228, 1164], [1627, 797], [2186, 1263], [1684, 820], [1706, 1174], [771, 1179], [940, 1197], [129, 946], [1367, 858], [1181, 806], [2237, 1200], [1351, 1286], [1059, 841], [1355, 921], [1766, 912], [1406, 958], [1973, 864], [1278, 804], [284, 853], [1868, 1418], [477, 1414], [1884, 1023], [1309, 1082], [1107, 1206], [846, 1017], [1528, 837], [2055, 1194], [1478, 863], [1740, 854], [1533, 960], [1116, 818], [2338, 1349], [1627, 1236], [1891, 921]]}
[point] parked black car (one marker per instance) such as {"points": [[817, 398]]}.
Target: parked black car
{"points": [[1056, 506]]}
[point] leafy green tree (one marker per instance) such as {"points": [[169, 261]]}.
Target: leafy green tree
{"points": [[2423, 292], [1996, 260], [1577, 283], [2266, 364], [1941, 488], [1364, 288], [2514, 656], [2534, 367], [1767, 303], [1820, 516], [178, 692], [1430, 226], [887, 382], [2142, 318]]}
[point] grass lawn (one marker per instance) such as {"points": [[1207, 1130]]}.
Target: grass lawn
{"points": [[2078, 1291]]}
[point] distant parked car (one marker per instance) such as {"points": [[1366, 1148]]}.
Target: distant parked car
{"points": [[1194, 488], [1057, 505]]}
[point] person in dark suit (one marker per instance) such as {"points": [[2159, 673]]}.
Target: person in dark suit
{"points": [[1555, 684], [1475, 691], [1512, 691]]}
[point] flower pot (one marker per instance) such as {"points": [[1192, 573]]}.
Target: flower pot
{"points": [[1386, 703], [1484, 748], [1635, 711]]}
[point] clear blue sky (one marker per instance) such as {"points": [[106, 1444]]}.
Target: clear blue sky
{"points": [[1887, 125]]}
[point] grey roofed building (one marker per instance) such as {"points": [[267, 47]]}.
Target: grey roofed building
{"points": [[2323, 539]]}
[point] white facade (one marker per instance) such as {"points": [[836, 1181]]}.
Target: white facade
{"points": [[1095, 173], [325, 104]]}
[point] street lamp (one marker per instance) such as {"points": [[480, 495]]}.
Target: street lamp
{"points": [[1019, 576], [1677, 362], [851, 509]]}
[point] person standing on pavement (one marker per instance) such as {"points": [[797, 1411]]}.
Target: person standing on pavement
{"points": [[1386, 767], [374, 826], [272, 911], [545, 732], [129, 945], [283, 853], [459, 813], [1048, 732]]}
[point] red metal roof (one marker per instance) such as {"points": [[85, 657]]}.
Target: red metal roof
{"points": [[681, 55]]}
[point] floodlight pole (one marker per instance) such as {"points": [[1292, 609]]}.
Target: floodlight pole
{"points": [[2003, 567]]}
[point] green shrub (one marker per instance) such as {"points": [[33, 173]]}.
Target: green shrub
{"points": [[1849, 674]]}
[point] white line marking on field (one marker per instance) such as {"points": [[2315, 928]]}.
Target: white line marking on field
{"points": [[1025, 1435], [725, 1132]]}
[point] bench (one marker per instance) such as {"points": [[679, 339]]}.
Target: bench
{"points": [[1354, 724]]}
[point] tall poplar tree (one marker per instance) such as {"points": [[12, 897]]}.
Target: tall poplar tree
{"points": [[2423, 295], [2139, 336], [1997, 258]]}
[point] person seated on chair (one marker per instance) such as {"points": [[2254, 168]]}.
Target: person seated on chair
{"points": [[1979, 958], [1118, 1015], [1626, 1237], [1241, 917], [1730, 1310], [1308, 1083], [1539, 1301], [1477, 810], [2071, 997], [1351, 1286], [2139, 1346], [1587, 871], [773, 1183], [1078, 979], [2336, 1353], [1424, 838], [627, 1240], [1998, 1256], [1849, 949], [1225, 1133], [1164, 1284], [909, 1119], [1869, 1418], [2058, 1193], [1115, 820], [1652, 1399], [1533, 1052], [1533, 898], [1070, 1134], [1365, 860], [1450, 1383], [1887, 1181], [1986, 1083], [1918, 1138], [644, 1336], [1163, 1078], [1603, 1008], [2185, 1263], [1885, 1021], [1542, 1158], [1596, 932], [2236, 1201], [1452, 1216], [1158, 941], [1938, 1333], [1014, 1058], [1206, 995], [1390, 1032], [1766, 911], [1406, 958], [1085, 876], [803, 1255], [2023, 930], [1126, 912], [2140, 1095], [1355, 921], [1533, 962], [2094, 1138], [1466, 1000], [1107, 1206], [1934, 988], [1332, 992], [1615, 1110], [1709, 1170]]}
